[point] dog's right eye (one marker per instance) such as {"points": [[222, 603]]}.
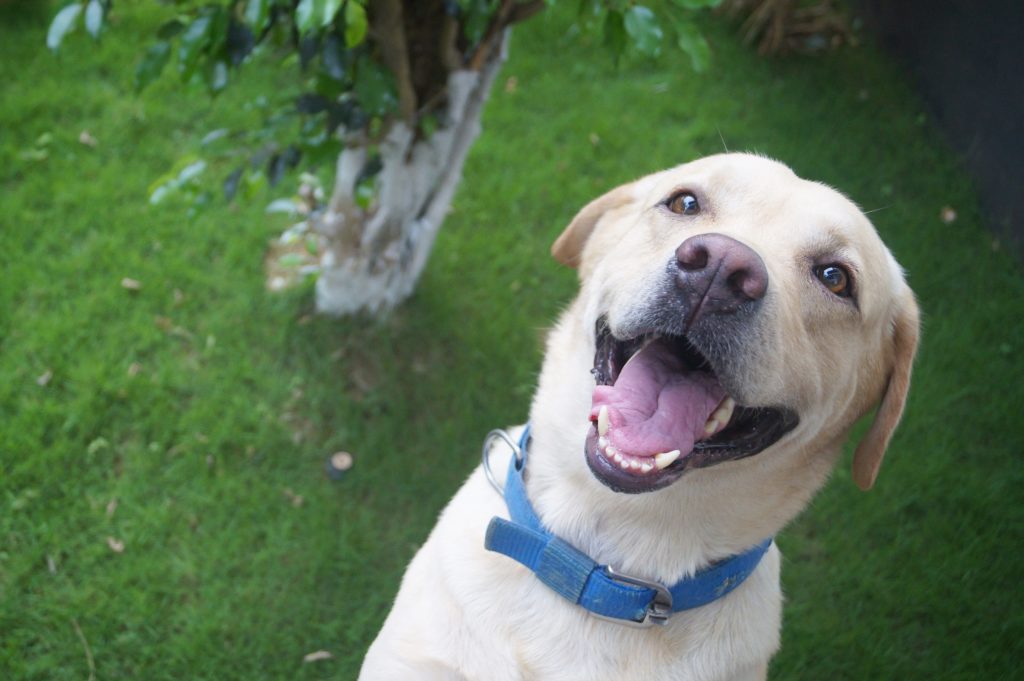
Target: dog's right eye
{"points": [[683, 203], [835, 278]]}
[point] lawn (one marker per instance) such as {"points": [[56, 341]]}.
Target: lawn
{"points": [[164, 512]]}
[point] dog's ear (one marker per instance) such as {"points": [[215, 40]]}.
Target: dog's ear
{"points": [[568, 247], [868, 457]]}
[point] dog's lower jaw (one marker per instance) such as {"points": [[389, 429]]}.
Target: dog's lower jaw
{"points": [[612, 475]]}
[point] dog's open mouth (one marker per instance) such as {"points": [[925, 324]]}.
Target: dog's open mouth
{"points": [[659, 409]]}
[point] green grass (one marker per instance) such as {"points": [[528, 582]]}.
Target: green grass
{"points": [[241, 395]]}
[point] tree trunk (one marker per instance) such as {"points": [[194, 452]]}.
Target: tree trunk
{"points": [[374, 258]]}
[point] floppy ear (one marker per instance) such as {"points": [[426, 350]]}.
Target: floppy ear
{"points": [[868, 457], [568, 247]]}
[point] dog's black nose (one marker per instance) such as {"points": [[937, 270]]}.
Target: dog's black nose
{"points": [[725, 273]]}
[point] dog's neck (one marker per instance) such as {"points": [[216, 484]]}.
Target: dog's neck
{"points": [[668, 534]]}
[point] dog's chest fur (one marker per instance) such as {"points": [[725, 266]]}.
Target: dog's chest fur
{"points": [[511, 626]]}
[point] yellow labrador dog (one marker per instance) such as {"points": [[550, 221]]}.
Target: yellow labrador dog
{"points": [[733, 322]]}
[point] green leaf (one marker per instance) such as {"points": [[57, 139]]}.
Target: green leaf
{"points": [[282, 206], [220, 22], [355, 23], [231, 183], [306, 15], [333, 59], [217, 76], [152, 64], [169, 29], [195, 38], [94, 18], [691, 42], [161, 188], [374, 88], [615, 33], [257, 12], [239, 41], [62, 24], [191, 171], [214, 135], [181, 177], [329, 8], [642, 27], [276, 167]]}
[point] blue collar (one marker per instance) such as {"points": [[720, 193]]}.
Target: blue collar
{"points": [[598, 588]]}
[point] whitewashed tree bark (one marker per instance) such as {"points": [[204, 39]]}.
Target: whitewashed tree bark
{"points": [[374, 258]]}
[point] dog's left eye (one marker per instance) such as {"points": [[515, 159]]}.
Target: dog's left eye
{"points": [[835, 278], [683, 203]]}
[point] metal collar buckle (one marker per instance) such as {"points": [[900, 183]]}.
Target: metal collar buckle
{"points": [[659, 610]]}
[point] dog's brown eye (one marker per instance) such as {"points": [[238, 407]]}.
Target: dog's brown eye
{"points": [[835, 278], [683, 203]]}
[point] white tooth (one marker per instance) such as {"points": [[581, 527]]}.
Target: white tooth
{"points": [[602, 421], [623, 464], [602, 442], [646, 468], [634, 464], [618, 457], [665, 459], [724, 411], [711, 426]]}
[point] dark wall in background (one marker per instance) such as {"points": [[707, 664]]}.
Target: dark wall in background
{"points": [[967, 59]]}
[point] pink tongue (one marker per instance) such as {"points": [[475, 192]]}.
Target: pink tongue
{"points": [[656, 404]]}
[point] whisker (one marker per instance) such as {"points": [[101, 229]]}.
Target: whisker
{"points": [[724, 145]]}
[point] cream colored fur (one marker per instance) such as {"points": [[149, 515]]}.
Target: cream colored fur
{"points": [[465, 613]]}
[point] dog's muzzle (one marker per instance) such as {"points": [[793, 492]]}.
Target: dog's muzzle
{"points": [[669, 395]]}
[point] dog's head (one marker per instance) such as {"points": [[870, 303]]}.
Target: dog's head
{"points": [[734, 305]]}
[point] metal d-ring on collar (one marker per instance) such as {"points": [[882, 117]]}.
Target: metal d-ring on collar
{"points": [[602, 591], [518, 451]]}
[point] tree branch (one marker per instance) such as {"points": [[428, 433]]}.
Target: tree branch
{"points": [[341, 221], [450, 56], [525, 10], [466, 131], [386, 21], [509, 12]]}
